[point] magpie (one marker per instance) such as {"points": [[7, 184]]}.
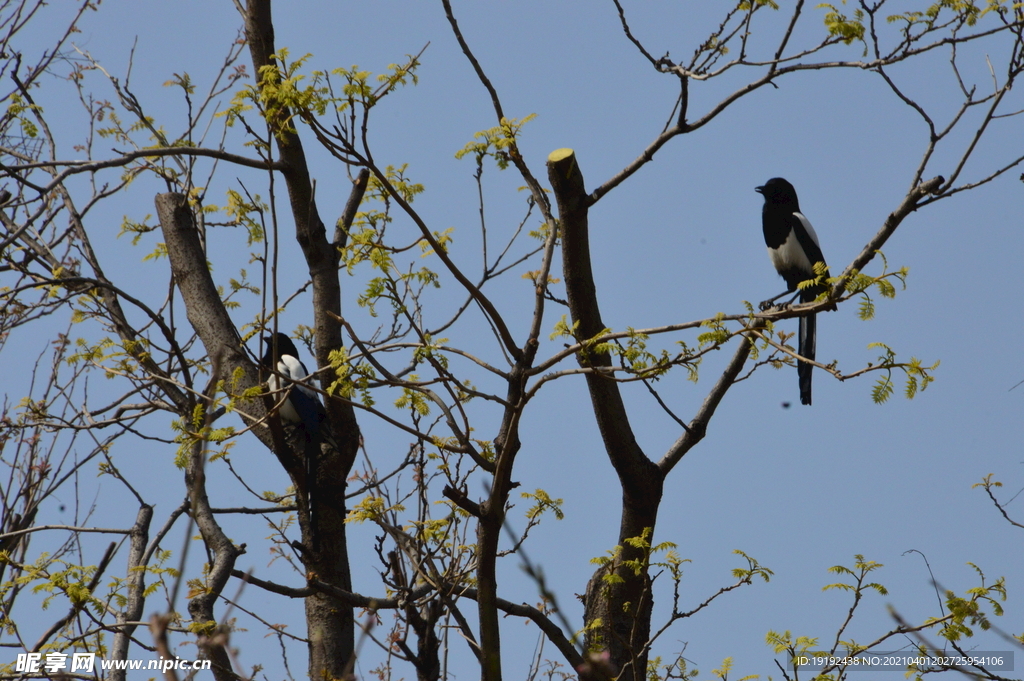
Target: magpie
{"points": [[794, 250], [301, 407]]}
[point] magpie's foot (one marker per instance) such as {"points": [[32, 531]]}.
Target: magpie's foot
{"points": [[766, 305]]}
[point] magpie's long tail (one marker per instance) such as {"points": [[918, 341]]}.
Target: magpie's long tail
{"points": [[312, 453], [311, 414], [808, 330]]}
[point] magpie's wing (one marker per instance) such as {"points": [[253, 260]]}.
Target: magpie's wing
{"points": [[311, 412], [296, 371], [807, 237], [303, 398]]}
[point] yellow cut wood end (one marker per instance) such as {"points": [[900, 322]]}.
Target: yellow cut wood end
{"points": [[559, 154]]}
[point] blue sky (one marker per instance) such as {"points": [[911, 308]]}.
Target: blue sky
{"points": [[800, 489]]}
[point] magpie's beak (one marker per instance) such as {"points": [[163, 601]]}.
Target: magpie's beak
{"points": [[759, 190]]}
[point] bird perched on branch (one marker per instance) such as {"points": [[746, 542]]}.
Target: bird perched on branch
{"points": [[300, 407], [794, 250]]}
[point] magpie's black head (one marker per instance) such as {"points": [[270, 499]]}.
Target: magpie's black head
{"points": [[277, 345], [780, 192]]}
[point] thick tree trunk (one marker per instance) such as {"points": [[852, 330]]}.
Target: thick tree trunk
{"points": [[331, 623], [618, 616]]}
